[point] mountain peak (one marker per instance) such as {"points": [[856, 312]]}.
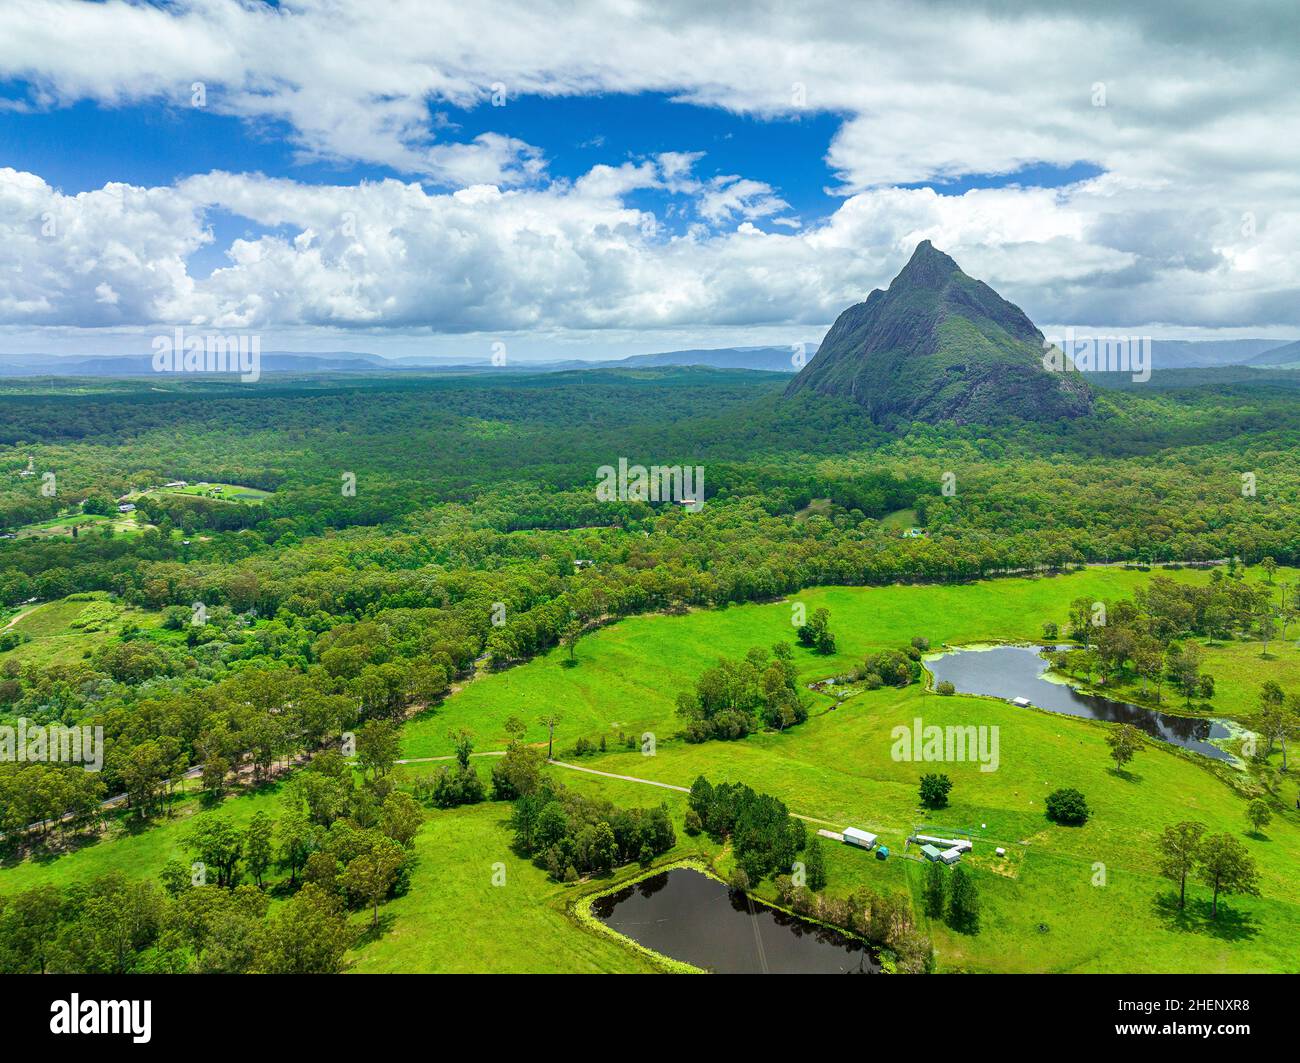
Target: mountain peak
{"points": [[928, 267], [939, 345]]}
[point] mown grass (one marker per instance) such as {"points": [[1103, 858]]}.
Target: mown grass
{"points": [[629, 674], [475, 906], [899, 520], [139, 852], [223, 492]]}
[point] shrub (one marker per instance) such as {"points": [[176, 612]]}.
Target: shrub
{"points": [[1067, 806], [945, 688], [934, 790], [894, 666]]}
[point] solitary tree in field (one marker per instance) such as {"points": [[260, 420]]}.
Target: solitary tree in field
{"points": [[1269, 566], [1267, 629], [815, 867], [462, 742], [934, 790], [1275, 719], [1124, 741], [1259, 814], [816, 634], [371, 875], [1179, 848], [934, 894], [1287, 724], [549, 721], [1226, 867], [963, 902], [570, 635], [1067, 805], [1185, 667]]}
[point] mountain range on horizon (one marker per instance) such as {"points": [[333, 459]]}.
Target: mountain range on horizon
{"points": [[775, 358]]}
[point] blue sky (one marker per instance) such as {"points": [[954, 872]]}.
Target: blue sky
{"points": [[649, 182]]}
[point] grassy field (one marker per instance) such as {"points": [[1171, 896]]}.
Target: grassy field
{"points": [[1064, 899], [899, 521], [87, 523], [217, 491], [474, 906], [139, 853], [629, 673], [70, 629]]}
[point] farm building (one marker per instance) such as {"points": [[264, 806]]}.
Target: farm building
{"points": [[950, 856], [931, 853], [861, 838], [125, 507], [962, 845]]}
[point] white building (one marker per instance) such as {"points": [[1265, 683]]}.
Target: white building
{"points": [[861, 838]]}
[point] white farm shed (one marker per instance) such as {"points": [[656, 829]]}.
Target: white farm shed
{"points": [[950, 856], [862, 838]]}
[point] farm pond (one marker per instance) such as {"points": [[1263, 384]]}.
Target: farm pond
{"points": [[688, 916], [1018, 671]]}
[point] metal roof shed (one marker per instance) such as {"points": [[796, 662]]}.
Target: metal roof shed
{"points": [[862, 838], [931, 853]]}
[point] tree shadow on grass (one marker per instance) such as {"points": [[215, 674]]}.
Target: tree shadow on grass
{"points": [[371, 933], [1196, 918], [1125, 775]]}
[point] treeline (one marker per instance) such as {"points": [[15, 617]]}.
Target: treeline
{"points": [[733, 698], [1148, 637], [258, 712], [343, 844], [764, 836], [571, 835]]}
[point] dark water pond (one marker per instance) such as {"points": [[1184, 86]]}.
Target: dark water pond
{"points": [[1017, 671], [691, 917]]}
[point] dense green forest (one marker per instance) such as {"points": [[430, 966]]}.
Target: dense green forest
{"points": [[422, 525]]}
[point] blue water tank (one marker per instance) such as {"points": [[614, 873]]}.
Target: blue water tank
{"points": [[882, 853]]}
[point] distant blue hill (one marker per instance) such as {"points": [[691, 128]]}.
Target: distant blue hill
{"points": [[771, 359], [1166, 354]]}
